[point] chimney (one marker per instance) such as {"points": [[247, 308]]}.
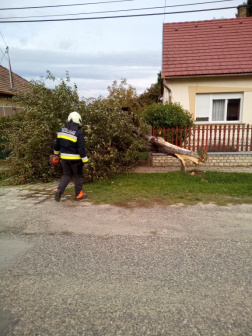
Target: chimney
{"points": [[242, 11]]}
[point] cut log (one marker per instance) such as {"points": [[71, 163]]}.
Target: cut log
{"points": [[184, 155]]}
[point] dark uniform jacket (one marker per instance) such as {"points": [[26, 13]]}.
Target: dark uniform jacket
{"points": [[70, 143]]}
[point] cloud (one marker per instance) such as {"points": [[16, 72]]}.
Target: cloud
{"points": [[66, 44], [92, 72], [111, 58]]}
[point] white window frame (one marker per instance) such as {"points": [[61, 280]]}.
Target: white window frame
{"points": [[221, 96]]}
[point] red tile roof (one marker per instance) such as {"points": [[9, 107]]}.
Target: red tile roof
{"points": [[207, 47], [19, 83]]}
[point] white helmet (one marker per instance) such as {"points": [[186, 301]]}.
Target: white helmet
{"points": [[75, 117]]}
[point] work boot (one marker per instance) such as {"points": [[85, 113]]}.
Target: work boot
{"points": [[58, 195], [81, 196]]}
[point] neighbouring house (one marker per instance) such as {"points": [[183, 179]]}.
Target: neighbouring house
{"points": [[207, 67], [8, 86]]}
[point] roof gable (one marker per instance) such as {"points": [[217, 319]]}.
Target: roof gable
{"points": [[207, 47], [19, 83]]}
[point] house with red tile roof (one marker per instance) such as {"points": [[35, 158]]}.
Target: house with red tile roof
{"points": [[207, 67], [8, 87]]}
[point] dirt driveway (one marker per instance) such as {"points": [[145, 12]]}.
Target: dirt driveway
{"points": [[81, 269]]}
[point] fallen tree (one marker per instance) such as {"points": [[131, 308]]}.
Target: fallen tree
{"points": [[159, 145]]}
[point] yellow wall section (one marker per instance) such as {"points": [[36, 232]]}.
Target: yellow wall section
{"points": [[5, 102], [184, 90]]}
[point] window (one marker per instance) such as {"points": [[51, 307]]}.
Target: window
{"points": [[218, 107]]}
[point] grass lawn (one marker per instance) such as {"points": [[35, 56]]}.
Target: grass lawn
{"points": [[132, 189]]}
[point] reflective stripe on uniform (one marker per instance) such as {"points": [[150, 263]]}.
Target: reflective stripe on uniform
{"points": [[85, 159], [70, 156], [67, 136], [56, 153]]}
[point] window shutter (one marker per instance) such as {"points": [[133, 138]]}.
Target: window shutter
{"points": [[202, 107]]}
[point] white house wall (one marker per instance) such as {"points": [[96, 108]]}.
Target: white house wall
{"points": [[184, 91]]}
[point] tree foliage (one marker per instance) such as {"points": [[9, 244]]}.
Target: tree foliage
{"points": [[110, 138], [126, 95], [5, 123], [123, 94], [249, 8], [31, 132], [150, 95], [111, 143]]}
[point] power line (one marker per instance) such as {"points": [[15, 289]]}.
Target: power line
{"points": [[3, 39], [2, 51], [3, 55], [120, 16], [114, 11], [69, 5], [2, 59]]}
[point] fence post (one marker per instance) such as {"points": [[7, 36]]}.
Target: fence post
{"points": [[247, 138], [219, 146], [185, 135], [215, 135], [194, 128], [224, 139], [238, 140], [243, 129], [190, 131], [229, 128], [180, 142], [233, 138], [203, 139], [251, 139], [210, 140], [198, 129], [176, 135]]}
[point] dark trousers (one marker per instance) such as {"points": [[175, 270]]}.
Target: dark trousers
{"points": [[72, 168]]}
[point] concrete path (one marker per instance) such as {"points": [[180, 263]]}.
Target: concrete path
{"points": [[74, 268]]}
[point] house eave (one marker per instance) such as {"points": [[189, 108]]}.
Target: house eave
{"points": [[7, 93], [208, 75]]}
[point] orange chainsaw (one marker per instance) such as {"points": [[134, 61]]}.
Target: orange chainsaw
{"points": [[54, 160]]}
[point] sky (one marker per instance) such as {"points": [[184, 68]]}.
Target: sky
{"points": [[95, 52]]}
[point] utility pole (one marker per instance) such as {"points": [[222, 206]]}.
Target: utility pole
{"points": [[10, 72]]}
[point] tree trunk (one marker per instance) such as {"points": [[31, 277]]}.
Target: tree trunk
{"points": [[160, 145]]}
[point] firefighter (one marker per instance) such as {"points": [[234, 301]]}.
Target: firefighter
{"points": [[70, 144]]}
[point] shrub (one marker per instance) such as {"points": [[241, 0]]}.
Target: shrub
{"points": [[165, 116], [168, 115]]}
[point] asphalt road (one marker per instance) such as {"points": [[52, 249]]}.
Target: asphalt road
{"points": [[102, 270]]}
